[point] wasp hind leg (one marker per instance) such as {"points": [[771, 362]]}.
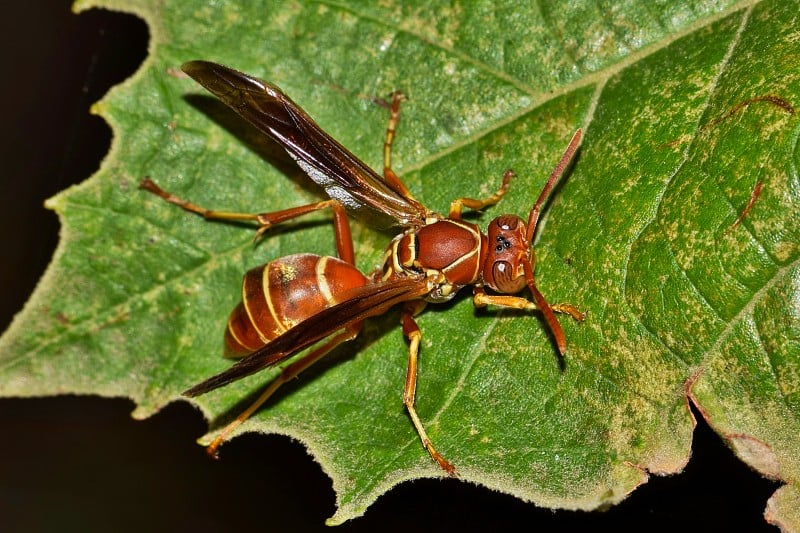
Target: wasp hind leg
{"points": [[264, 220], [288, 373]]}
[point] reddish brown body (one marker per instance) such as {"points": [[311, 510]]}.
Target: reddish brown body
{"points": [[283, 293], [419, 252], [305, 301]]}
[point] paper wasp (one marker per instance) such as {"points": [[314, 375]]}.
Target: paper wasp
{"points": [[303, 300]]}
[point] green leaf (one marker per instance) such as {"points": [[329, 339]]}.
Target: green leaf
{"points": [[687, 107]]}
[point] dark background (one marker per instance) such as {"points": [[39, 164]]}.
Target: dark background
{"points": [[81, 463]]}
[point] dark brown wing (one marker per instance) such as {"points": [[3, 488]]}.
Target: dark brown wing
{"points": [[328, 163], [367, 301]]}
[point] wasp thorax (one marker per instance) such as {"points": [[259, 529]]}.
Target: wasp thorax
{"points": [[507, 251]]}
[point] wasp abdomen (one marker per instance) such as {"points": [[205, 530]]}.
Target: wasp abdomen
{"points": [[283, 293]]}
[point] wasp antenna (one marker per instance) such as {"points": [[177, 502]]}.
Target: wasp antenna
{"points": [[558, 171], [546, 309]]}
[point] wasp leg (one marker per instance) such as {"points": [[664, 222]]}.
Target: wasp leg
{"points": [[388, 174], [288, 373], [477, 204], [264, 220], [481, 299], [412, 332]]}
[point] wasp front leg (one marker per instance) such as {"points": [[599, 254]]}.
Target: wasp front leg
{"points": [[481, 299], [414, 335], [477, 204]]}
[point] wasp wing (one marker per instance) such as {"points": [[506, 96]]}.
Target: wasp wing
{"points": [[344, 177], [364, 302]]}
